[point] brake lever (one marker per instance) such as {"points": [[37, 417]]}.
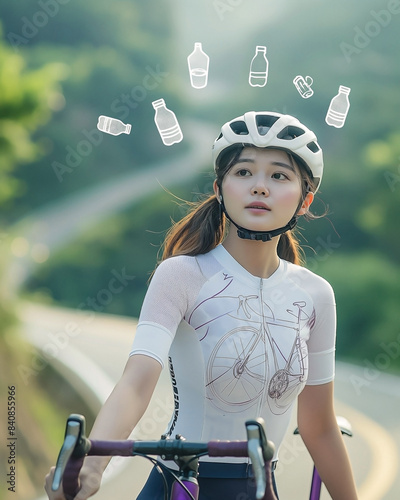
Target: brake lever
{"points": [[260, 450], [75, 445]]}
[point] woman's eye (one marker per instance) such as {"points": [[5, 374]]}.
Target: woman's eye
{"points": [[279, 176], [242, 172]]}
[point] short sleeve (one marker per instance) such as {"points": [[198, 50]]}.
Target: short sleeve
{"points": [[173, 288], [322, 340]]}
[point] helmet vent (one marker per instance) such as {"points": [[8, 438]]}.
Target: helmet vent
{"points": [[313, 146], [289, 133], [239, 127], [264, 123]]}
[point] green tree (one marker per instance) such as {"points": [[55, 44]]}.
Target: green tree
{"points": [[378, 215], [117, 56], [27, 99]]}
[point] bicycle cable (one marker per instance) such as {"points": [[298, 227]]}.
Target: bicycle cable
{"points": [[160, 466]]}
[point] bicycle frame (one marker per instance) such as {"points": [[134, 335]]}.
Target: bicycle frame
{"points": [[76, 446]]}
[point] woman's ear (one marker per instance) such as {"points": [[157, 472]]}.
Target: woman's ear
{"points": [[216, 190], [306, 203]]}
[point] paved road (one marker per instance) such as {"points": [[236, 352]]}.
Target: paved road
{"points": [[96, 352]]}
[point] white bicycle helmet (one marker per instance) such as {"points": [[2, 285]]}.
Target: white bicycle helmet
{"points": [[274, 130]]}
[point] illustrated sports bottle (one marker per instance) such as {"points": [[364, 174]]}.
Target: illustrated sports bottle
{"points": [[167, 124], [303, 86], [198, 62], [112, 126], [258, 75], [338, 109]]}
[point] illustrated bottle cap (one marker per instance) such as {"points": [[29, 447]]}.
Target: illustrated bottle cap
{"points": [[345, 90], [158, 103]]}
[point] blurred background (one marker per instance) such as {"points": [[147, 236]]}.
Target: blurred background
{"points": [[79, 208]]}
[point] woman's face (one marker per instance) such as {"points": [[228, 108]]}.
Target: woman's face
{"points": [[263, 189]]}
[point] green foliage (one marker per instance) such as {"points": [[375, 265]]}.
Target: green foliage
{"points": [[115, 59], [378, 215], [367, 289], [28, 98]]}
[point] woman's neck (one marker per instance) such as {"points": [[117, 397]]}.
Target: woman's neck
{"points": [[259, 258]]}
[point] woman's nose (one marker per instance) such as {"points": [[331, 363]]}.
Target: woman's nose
{"points": [[260, 187]]}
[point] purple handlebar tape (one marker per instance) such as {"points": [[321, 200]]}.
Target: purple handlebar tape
{"points": [[227, 449], [108, 448], [98, 448], [125, 449], [71, 477]]}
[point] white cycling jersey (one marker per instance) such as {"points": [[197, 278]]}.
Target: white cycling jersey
{"points": [[238, 346]]}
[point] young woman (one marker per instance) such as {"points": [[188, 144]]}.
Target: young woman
{"points": [[244, 328]]}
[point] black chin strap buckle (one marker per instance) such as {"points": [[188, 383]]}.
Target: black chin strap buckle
{"points": [[249, 235]]}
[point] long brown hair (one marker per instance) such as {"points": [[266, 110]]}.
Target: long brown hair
{"points": [[204, 226]]}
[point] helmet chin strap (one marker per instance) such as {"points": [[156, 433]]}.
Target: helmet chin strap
{"points": [[249, 234]]}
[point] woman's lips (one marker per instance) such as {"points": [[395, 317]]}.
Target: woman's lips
{"points": [[258, 206]]}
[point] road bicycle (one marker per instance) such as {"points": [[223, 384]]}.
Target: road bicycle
{"points": [[185, 454]]}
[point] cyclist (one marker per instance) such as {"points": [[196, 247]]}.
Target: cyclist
{"points": [[244, 328]]}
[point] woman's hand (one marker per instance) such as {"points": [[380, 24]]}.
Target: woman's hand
{"points": [[89, 480], [118, 416]]}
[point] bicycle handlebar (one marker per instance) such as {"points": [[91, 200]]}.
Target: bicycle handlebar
{"points": [[76, 446]]}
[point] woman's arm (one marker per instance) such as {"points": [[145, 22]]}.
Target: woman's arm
{"points": [[116, 419], [323, 439]]}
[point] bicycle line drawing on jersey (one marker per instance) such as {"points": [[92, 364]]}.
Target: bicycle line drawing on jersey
{"points": [[250, 353]]}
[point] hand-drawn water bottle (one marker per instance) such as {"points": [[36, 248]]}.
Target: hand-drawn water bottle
{"points": [[198, 62], [167, 123], [259, 68], [112, 126], [338, 108]]}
